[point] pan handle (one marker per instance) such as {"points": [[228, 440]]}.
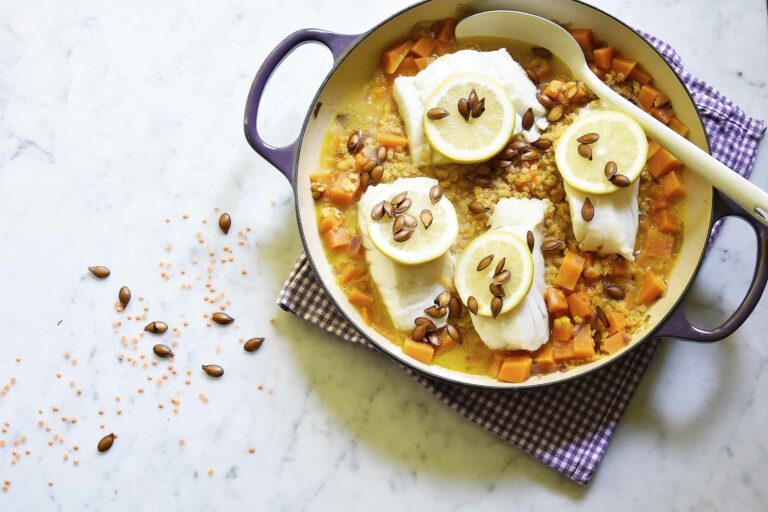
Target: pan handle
{"points": [[283, 157], [678, 325]]}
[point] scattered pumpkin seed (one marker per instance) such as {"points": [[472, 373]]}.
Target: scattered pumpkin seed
{"points": [[463, 107], [476, 207], [377, 212], [454, 333], [601, 316], [419, 332], [529, 238], [434, 339], [437, 113], [503, 277], [614, 291], [542, 144], [426, 218], [410, 220], [588, 138], [597, 339], [424, 320], [225, 222], [222, 318], [100, 271], [399, 198], [365, 180], [484, 263], [530, 155], [398, 224], [478, 109], [528, 119], [124, 296], [587, 210], [403, 235], [483, 181], [354, 142], [435, 194], [496, 290], [454, 307], [545, 100], [555, 114], [213, 370], [161, 350], [404, 205], [253, 344], [389, 209], [376, 174], [532, 75], [520, 146], [552, 245], [610, 170], [443, 299], [496, 304], [106, 442], [381, 153], [472, 304], [500, 164], [500, 266], [585, 151], [472, 99], [156, 327], [620, 181], [436, 312]]}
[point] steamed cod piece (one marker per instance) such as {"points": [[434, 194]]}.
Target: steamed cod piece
{"points": [[406, 290], [613, 229], [412, 93], [526, 326]]}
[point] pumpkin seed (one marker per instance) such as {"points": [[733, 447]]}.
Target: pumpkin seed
{"points": [[545, 100], [454, 333], [520, 146], [156, 327], [483, 181], [437, 113], [496, 304], [532, 75], [528, 119], [585, 151], [476, 207], [610, 170], [500, 266], [601, 316], [587, 210], [500, 164], [484, 263], [472, 304], [354, 142], [403, 235], [529, 238], [399, 198], [435, 194], [376, 174], [503, 277], [507, 154], [542, 144], [124, 296], [555, 114], [404, 205], [478, 109], [389, 209], [614, 291], [434, 339], [161, 350], [381, 154], [426, 321], [364, 181], [106, 442], [436, 312], [597, 338], [222, 318], [253, 344], [542, 52], [377, 212], [100, 271], [530, 155], [225, 222], [552, 245], [410, 221], [496, 290], [398, 224], [588, 138], [454, 307], [472, 99], [426, 218], [443, 299], [419, 332], [213, 370], [620, 181], [463, 107]]}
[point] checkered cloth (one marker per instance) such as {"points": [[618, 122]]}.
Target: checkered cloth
{"points": [[567, 426]]}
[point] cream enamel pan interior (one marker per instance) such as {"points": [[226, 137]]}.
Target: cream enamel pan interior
{"points": [[353, 69]]}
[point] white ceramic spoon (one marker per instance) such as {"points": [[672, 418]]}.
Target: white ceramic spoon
{"points": [[542, 32]]}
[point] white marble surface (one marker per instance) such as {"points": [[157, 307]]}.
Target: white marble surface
{"points": [[117, 115]]}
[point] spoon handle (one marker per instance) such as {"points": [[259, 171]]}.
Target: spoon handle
{"points": [[743, 192]]}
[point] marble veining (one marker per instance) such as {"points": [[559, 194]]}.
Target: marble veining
{"points": [[116, 116]]}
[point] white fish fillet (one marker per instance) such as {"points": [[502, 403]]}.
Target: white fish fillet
{"points": [[525, 327], [412, 93], [405, 289], [613, 229]]}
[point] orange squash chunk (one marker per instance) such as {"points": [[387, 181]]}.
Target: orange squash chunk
{"points": [[515, 369], [446, 31], [616, 321], [562, 329], [447, 344], [663, 162], [393, 56], [668, 221], [424, 47], [570, 270], [407, 68], [579, 304], [658, 245], [660, 100], [584, 37], [604, 57], [336, 238], [349, 272], [672, 186], [563, 350], [653, 147], [328, 223], [583, 344], [544, 358], [651, 288], [663, 114], [366, 314], [494, 365], [392, 141], [359, 298], [640, 76], [623, 66], [556, 302], [619, 268], [647, 96], [343, 189], [422, 352], [656, 199], [614, 343], [322, 177], [423, 62], [678, 126]]}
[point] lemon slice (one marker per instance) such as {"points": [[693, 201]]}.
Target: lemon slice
{"points": [[478, 138], [518, 261], [621, 140], [425, 243]]}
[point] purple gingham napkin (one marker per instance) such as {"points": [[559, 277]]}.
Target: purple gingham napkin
{"points": [[568, 426]]}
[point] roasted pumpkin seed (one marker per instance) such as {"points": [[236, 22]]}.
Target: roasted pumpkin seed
{"points": [[614, 291], [253, 344], [502, 278], [377, 212], [529, 238], [463, 107], [478, 109], [376, 174], [354, 142], [106, 442], [225, 222], [520, 146], [426, 218], [472, 99], [496, 304], [381, 154], [476, 207], [500, 266], [434, 339], [435, 194], [437, 113], [419, 332], [496, 290], [404, 205], [124, 296], [545, 100], [542, 144], [585, 151], [424, 320], [610, 170], [472, 304], [620, 181], [403, 235], [398, 224], [213, 370], [532, 75], [410, 220], [587, 210], [222, 318], [399, 198], [443, 299], [552, 245], [528, 119], [156, 327], [454, 308], [483, 264], [454, 333], [161, 350], [588, 138], [555, 114], [530, 155], [100, 271], [601, 316], [436, 312]]}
